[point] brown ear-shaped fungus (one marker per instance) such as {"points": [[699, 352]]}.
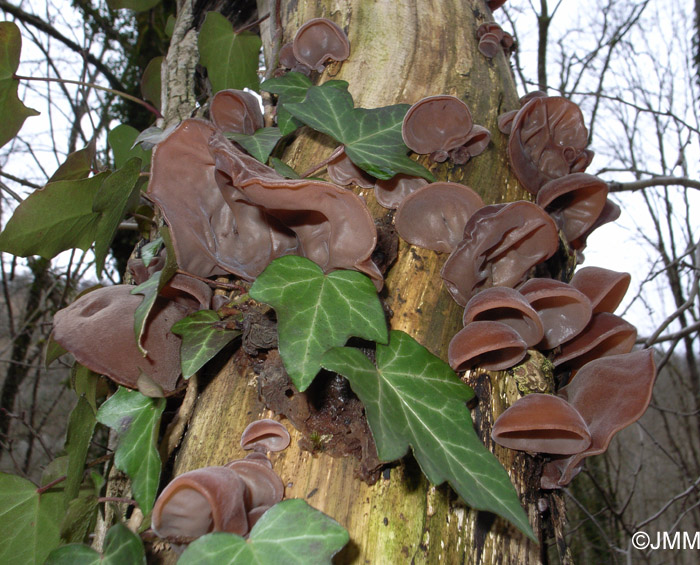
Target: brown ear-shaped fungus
{"points": [[344, 172], [575, 201], [610, 394], [210, 235], [606, 334], [333, 226], [603, 287], [205, 500], [317, 41], [476, 144], [236, 111], [547, 138], [501, 244], [505, 121], [263, 485], [188, 291], [610, 213], [495, 4], [490, 44], [390, 193], [508, 306], [542, 423], [289, 61], [436, 124], [564, 311], [493, 346], [98, 329], [265, 435], [435, 215]]}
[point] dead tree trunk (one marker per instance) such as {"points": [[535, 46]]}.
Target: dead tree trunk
{"points": [[400, 52]]}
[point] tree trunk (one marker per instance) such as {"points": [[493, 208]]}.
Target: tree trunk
{"points": [[400, 52]]}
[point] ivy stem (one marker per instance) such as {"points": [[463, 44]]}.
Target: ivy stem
{"points": [[338, 151], [229, 286], [41, 490], [143, 103], [47, 486]]}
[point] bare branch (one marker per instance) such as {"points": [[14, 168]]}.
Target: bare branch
{"points": [[653, 181]]}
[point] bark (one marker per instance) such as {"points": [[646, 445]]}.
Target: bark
{"points": [[401, 52]]}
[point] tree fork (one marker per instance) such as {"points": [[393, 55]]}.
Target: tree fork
{"points": [[400, 52]]}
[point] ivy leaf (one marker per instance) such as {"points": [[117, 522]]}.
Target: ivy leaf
{"points": [[152, 286], [283, 169], [81, 514], [150, 81], [260, 144], [30, 521], [150, 250], [81, 425], [292, 88], [53, 219], [202, 339], [52, 351], [121, 546], [135, 418], [291, 532], [84, 383], [12, 111], [135, 5], [77, 165], [316, 312], [231, 58], [413, 398], [116, 195], [372, 138], [122, 139]]}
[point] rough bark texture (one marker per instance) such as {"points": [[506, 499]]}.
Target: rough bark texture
{"points": [[401, 52]]}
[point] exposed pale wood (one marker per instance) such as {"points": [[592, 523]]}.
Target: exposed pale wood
{"points": [[401, 52]]}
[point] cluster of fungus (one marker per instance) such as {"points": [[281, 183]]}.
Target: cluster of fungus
{"points": [[229, 498], [441, 126], [316, 42], [493, 39], [230, 214]]}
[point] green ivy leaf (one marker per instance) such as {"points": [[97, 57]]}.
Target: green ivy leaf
{"points": [[52, 351], [291, 532], [78, 165], [283, 169], [84, 383], [121, 546], [135, 418], [81, 425], [30, 521], [290, 88], [53, 219], [202, 339], [260, 144], [150, 250], [150, 81], [316, 312], [135, 5], [152, 286], [118, 193], [12, 111], [231, 58], [122, 140], [413, 398], [372, 138], [81, 514]]}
